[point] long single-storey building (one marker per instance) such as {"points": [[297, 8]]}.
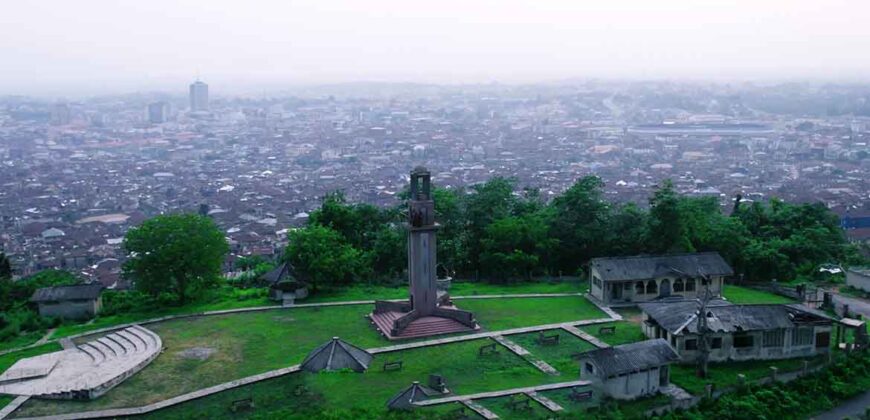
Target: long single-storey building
{"points": [[626, 280], [81, 301], [740, 332], [630, 370]]}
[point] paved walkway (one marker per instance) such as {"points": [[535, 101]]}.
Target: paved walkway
{"points": [[525, 354], [479, 409], [502, 393], [585, 336], [13, 405], [546, 402]]}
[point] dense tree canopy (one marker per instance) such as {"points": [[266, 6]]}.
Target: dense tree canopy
{"points": [[178, 254], [498, 231], [322, 257]]}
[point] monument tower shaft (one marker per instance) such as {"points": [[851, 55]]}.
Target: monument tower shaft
{"points": [[422, 244]]}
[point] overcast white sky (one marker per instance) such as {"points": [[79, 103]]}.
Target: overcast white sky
{"points": [[89, 46]]}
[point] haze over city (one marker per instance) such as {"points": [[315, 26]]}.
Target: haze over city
{"points": [[95, 47]]}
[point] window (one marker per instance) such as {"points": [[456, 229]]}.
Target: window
{"points": [[775, 338], [716, 343], [802, 336], [678, 285], [743, 341], [690, 285], [589, 368], [596, 282], [691, 344], [651, 287], [638, 288]]}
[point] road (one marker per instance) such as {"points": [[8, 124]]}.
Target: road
{"points": [[851, 408]]}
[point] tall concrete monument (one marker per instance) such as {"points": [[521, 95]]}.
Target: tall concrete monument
{"points": [[428, 312]]}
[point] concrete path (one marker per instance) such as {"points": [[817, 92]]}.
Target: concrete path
{"points": [[525, 354], [487, 334], [546, 402], [12, 406], [676, 392], [502, 393], [45, 337], [854, 407], [479, 409], [585, 336]]}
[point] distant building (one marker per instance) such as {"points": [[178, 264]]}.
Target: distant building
{"points": [[631, 370], [198, 96], [740, 332], [650, 277], [157, 112], [60, 114], [69, 302]]}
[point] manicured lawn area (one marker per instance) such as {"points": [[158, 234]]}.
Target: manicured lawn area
{"points": [[724, 375], [501, 314], [502, 407], [743, 295], [355, 395], [557, 355], [22, 340], [9, 359], [626, 332], [249, 343], [574, 409], [456, 289], [5, 400]]}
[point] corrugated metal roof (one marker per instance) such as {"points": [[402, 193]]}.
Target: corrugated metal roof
{"points": [[651, 266], [632, 357], [681, 317], [59, 293]]}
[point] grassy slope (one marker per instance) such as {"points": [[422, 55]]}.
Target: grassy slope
{"points": [[557, 355], [742, 295], [338, 393], [22, 340], [250, 343]]}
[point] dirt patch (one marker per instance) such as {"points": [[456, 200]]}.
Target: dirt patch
{"points": [[197, 353]]}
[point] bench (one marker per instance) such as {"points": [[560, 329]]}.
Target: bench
{"points": [[437, 383], [607, 330], [242, 404], [517, 404], [397, 365], [487, 349], [548, 339], [577, 395]]}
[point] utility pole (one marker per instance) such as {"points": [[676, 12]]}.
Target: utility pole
{"points": [[703, 329]]}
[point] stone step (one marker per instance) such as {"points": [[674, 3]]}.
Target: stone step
{"points": [[116, 349], [129, 343], [140, 342], [97, 353]]}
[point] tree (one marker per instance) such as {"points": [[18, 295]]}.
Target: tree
{"points": [[516, 246], [487, 202], [322, 257], [667, 227], [580, 222], [5, 267], [180, 254]]}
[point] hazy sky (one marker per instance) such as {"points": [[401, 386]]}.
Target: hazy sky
{"points": [[88, 46]]}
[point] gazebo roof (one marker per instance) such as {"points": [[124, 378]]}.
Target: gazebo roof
{"points": [[336, 355], [406, 398]]}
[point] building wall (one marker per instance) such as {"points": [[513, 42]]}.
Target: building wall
{"points": [[757, 351], [858, 280], [625, 387], [603, 290], [71, 309]]}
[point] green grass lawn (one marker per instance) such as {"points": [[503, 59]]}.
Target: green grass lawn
{"points": [[573, 409], [364, 395], [724, 375], [557, 355], [502, 407], [255, 342], [22, 340], [9, 359], [742, 296], [5, 400], [456, 289], [501, 314], [634, 409], [626, 332]]}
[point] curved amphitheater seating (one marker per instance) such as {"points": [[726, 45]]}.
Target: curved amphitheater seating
{"points": [[84, 372]]}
